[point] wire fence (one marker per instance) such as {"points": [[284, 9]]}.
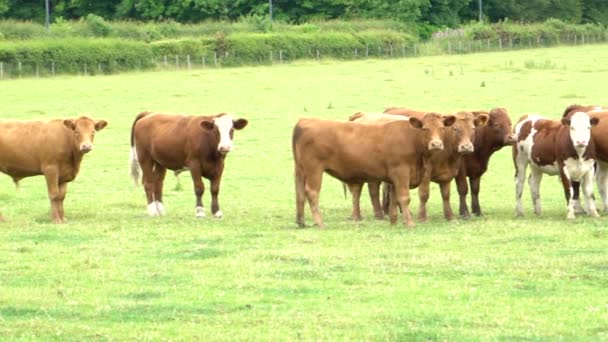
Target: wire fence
{"points": [[434, 47]]}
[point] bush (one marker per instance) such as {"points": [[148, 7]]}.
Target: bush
{"points": [[98, 26]]}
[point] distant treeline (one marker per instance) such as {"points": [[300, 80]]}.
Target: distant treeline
{"points": [[423, 15]]}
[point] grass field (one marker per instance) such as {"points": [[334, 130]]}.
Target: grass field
{"points": [[112, 273]]}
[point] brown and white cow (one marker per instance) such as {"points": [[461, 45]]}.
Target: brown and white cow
{"points": [[489, 138], [53, 148], [166, 141], [357, 153], [555, 147], [599, 135]]}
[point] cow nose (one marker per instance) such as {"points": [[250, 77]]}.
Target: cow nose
{"points": [[581, 143], [84, 148], [224, 149], [510, 139], [436, 145], [466, 148]]}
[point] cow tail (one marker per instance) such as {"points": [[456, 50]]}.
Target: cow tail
{"points": [[133, 161]]}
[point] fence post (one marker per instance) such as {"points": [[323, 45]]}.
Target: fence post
{"points": [[366, 50], [415, 50], [215, 58], [177, 61], [391, 50], [203, 61], [449, 48], [582, 39], [317, 54], [99, 67], [356, 52], [511, 43], [500, 43], [188, 61], [538, 41], [19, 67], [85, 69], [165, 58], [281, 56], [271, 57], [1, 70], [460, 46], [37, 71], [403, 49], [53, 68]]}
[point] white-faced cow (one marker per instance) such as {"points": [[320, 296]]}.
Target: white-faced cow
{"points": [[198, 143], [53, 148], [357, 153], [563, 148]]}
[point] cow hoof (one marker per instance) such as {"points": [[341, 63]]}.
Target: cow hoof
{"points": [[153, 209], [218, 214], [594, 214], [200, 212]]}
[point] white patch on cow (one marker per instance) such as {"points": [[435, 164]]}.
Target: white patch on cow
{"points": [[580, 131], [550, 169], [576, 169], [200, 212], [218, 214], [224, 124], [156, 208]]}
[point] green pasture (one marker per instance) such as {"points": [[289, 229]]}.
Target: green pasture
{"points": [[113, 273]]}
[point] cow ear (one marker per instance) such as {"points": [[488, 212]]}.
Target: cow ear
{"points": [[566, 121], [239, 124], [481, 120], [207, 124], [69, 123], [449, 120], [594, 121], [101, 124], [416, 123]]}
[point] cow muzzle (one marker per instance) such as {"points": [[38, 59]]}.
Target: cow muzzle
{"points": [[436, 145], [465, 148], [85, 148], [224, 149], [581, 143], [510, 139]]}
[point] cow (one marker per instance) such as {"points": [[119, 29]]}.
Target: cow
{"points": [[373, 186], [555, 147], [599, 135], [489, 138], [170, 141], [52, 148], [357, 153], [459, 142]]}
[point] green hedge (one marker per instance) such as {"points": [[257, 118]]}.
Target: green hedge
{"points": [[74, 55]]}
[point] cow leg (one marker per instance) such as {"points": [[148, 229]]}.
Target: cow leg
{"points": [[159, 178], [475, 184], [199, 189], [374, 195], [576, 202], [51, 175], [587, 184], [521, 164], [536, 176], [63, 188], [300, 197], [355, 190], [386, 196], [392, 206], [215, 191], [423, 192], [602, 183], [463, 190], [402, 193], [312, 188], [147, 179], [445, 196]]}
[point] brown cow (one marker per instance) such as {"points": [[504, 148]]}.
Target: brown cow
{"points": [[599, 135], [555, 147], [53, 148], [198, 143], [488, 139], [357, 153]]}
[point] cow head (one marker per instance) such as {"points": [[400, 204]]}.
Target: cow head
{"points": [[84, 129], [500, 127], [432, 126], [579, 125], [463, 130], [224, 126]]}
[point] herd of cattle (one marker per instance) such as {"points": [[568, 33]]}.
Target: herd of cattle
{"points": [[408, 149], [402, 148]]}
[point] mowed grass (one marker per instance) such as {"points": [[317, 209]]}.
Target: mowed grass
{"points": [[112, 273]]}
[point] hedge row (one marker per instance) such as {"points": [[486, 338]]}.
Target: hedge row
{"points": [[109, 55]]}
